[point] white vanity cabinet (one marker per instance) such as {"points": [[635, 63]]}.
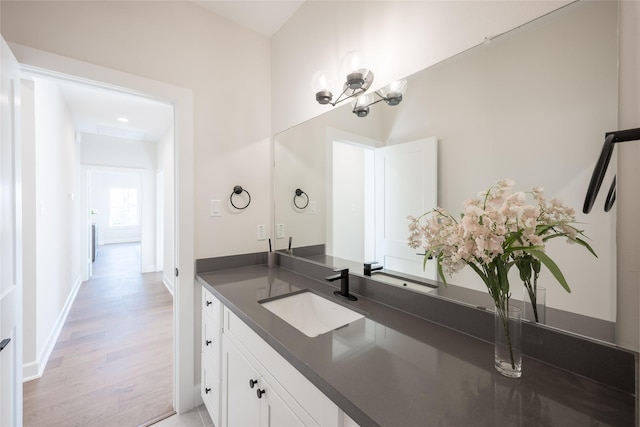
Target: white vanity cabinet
{"points": [[246, 382], [211, 347]]}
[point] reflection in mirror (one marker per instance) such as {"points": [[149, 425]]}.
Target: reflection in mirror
{"points": [[531, 105]]}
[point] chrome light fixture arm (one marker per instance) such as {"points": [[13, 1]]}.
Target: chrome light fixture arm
{"points": [[392, 99]]}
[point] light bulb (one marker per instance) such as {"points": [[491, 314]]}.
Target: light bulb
{"points": [[361, 105], [393, 92], [354, 69], [363, 100], [322, 84]]}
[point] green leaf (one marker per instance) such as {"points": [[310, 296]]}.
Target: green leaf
{"points": [[586, 245], [524, 267], [552, 267], [485, 279], [503, 281]]}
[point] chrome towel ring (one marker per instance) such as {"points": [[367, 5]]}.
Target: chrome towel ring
{"points": [[300, 193], [239, 190]]}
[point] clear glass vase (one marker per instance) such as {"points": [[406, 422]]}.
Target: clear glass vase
{"points": [[508, 341], [535, 305]]}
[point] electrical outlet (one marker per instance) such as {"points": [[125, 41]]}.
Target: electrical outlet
{"points": [[280, 231], [262, 234]]}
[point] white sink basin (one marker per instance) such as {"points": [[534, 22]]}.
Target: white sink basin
{"points": [[311, 314], [403, 283]]}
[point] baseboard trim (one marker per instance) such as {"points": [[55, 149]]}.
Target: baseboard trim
{"points": [[121, 240], [168, 283], [30, 371], [158, 419], [149, 268], [34, 370]]}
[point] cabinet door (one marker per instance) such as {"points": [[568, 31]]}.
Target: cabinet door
{"points": [[241, 407], [274, 412]]}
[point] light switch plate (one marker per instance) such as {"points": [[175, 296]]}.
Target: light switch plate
{"points": [[216, 208], [280, 231], [313, 208]]}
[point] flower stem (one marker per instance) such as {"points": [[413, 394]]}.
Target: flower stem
{"points": [[504, 317], [532, 291]]}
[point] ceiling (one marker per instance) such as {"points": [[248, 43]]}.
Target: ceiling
{"points": [[265, 17], [96, 110]]}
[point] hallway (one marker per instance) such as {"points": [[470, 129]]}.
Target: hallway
{"points": [[113, 362]]}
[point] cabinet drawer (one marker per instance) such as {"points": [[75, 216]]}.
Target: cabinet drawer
{"points": [[211, 336], [211, 307]]}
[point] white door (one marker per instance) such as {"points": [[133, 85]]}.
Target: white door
{"points": [[406, 184], [10, 243]]}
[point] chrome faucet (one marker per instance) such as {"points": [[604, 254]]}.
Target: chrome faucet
{"points": [[369, 268], [343, 276]]}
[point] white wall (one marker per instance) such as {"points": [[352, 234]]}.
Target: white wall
{"points": [[473, 105], [226, 66], [100, 151], [165, 165], [227, 70], [58, 246], [399, 39], [404, 37]]}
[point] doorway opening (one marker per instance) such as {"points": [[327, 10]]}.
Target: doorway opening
{"points": [[108, 171], [179, 235]]}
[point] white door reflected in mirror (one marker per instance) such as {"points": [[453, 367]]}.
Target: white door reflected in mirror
{"points": [[406, 184]]}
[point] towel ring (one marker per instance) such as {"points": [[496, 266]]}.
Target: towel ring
{"points": [[239, 190], [299, 193]]}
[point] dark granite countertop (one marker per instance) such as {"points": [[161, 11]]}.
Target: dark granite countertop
{"points": [[395, 369]]}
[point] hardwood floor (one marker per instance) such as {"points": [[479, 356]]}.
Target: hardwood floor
{"points": [[113, 362]]}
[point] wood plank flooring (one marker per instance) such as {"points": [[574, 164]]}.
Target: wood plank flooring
{"points": [[113, 362]]}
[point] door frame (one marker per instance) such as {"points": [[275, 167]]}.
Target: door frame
{"points": [[12, 242], [36, 61]]}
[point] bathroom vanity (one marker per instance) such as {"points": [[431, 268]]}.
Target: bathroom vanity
{"points": [[387, 368]]}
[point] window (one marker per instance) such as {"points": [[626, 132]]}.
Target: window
{"points": [[123, 207]]}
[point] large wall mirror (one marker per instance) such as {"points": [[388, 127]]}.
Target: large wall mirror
{"points": [[532, 105]]}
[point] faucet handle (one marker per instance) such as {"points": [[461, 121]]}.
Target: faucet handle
{"points": [[368, 267], [342, 274]]}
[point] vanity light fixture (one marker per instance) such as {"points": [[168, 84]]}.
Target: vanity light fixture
{"points": [[123, 119], [358, 79]]}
